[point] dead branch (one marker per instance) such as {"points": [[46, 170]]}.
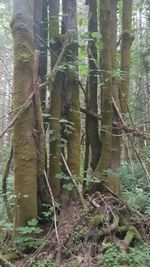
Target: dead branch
{"points": [[136, 132], [25, 106], [74, 182], [54, 207], [52, 75]]}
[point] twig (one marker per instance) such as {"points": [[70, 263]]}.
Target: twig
{"points": [[53, 203], [52, 75], [141, 162], [25, 106], [74, 182]]}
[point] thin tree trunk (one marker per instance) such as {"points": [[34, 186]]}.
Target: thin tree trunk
{"points": [[116, 133], [92, 85], [40, 36], [126, 43], [55, 101], [71, 106], [106, 66], [40, 39]]}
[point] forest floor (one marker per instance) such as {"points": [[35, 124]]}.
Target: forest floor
{"points": [[104, 233]]}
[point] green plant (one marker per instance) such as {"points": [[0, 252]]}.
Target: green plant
{"points": [[136, 257], [67, 180], [48, 212], [27, 236], [43, 263], [134, 187]]}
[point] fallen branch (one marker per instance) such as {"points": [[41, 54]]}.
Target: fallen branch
{"points": [[54, 206], [74, 182], [136, 132]]}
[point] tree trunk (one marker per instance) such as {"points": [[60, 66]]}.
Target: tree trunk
{"points": [[116, 133], [24, 147], [40, 39], [71, 106], [55, 101], [126, 43], [92, 85], [40, 36], [106, 66]]}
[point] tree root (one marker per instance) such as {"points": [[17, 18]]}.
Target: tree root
{"points": [[132, 233], [5, 259], [101, 226]]}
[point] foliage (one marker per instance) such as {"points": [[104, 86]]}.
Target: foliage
{"points": [[134, 187], [112, 256], [27, 237], [43, 263], [67, 180], [48, 213]]}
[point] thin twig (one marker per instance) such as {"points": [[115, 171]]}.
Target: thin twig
{"points": [[25, 106], [74, 182], [52, 75], [54, 207]]}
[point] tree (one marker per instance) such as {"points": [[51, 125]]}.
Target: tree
{"points": [[24, 146], [55, 101], [40, 79], [92, 123], [106, 105], [70, 90]]}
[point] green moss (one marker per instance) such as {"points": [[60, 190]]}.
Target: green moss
{"points": [[97, 220]]}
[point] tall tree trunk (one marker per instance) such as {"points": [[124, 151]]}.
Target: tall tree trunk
{"points": [[40, 36], [40, 39], [116, 133], [24, 148], [106, 66], [55, 101], [126, 43], [92, 85], [71, 106]]}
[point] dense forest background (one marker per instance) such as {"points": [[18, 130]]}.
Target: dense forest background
{"points": [[75, 133]]}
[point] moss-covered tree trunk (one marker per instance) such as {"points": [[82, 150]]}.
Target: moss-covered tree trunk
{"points": [[92, 85], [40, 65], [116, 133], [40, 39], [24, 147], [55, 101], [106, 66], [70, 92], [126, 43]]}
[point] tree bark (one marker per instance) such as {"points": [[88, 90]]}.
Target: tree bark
{"points": [[24, 147], [71, 106], [126, 43], [40, 40], [93, 134], [116, 132], [106, 66], [55, 101]]}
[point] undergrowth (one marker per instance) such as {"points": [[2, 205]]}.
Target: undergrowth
{"points": [[111, 256], [136, 193]]}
